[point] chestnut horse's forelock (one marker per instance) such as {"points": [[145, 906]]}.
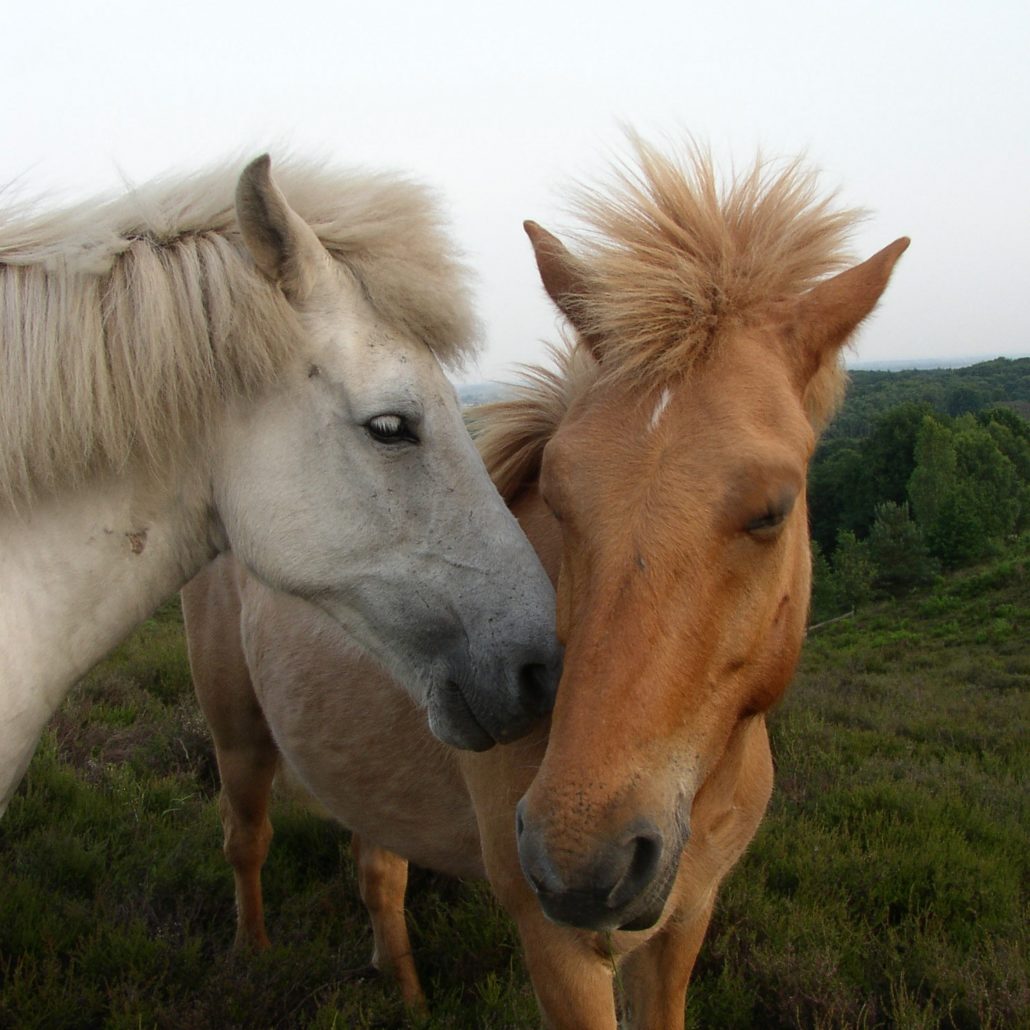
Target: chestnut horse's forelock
{"points": [[671, 259]]}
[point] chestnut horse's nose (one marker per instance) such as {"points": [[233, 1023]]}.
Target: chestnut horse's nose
{"points": [[599, 890]]}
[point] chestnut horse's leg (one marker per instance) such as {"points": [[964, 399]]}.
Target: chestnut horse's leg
{"points": [[571, 972], [726, 814], [572, 978], [655, 977], [382, 881], [246, 753]]}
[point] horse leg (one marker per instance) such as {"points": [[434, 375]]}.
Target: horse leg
{"points": [[382, 881], [571, 971], [655, 976], [247, 776], [246, 753], [726, 814]]}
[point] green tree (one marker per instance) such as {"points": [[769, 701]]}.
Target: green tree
{"points": [[993, 477], [825, 604], [850, 477], [1011, 433], [853, 570], [935, 473], [890, 453], [966, 494], [836, 493], [898, 551]]}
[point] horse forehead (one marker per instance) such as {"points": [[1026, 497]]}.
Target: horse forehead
{"points": [[709, 420], [669, 460], [369, 353]]}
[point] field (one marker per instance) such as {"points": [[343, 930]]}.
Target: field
{"points": [[887, 887]]}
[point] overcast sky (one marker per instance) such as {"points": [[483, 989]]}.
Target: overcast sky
{"points": [[917, 110]]}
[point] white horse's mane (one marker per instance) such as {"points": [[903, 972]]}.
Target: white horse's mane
{"points": [[126, 323]]}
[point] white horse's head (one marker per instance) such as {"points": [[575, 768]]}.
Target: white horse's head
{"points": [[353, 482]]}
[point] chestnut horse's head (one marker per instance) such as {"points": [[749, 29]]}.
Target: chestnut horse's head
{"points": [[678, 479]]}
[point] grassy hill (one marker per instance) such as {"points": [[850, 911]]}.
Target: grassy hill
{"points": [[951, 391], [887, 887]]}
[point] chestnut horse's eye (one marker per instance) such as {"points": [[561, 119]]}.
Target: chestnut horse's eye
{"points": [[768, 524], [765, 525], [390, 429]]}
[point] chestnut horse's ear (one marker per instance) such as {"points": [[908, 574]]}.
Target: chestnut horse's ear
{"points": [[561, 277], [284, 247], [831, 311]]}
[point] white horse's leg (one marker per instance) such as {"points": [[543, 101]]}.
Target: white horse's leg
{"points": [[383, 880]]}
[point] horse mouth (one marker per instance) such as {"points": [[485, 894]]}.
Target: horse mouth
{"points": [[585, 910], [593, 909], [452, 720]]}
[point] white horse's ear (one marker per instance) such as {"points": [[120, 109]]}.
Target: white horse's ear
{"points": [[283, 245]]}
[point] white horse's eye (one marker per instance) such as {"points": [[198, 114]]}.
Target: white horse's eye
{"points": [[390, 429]]}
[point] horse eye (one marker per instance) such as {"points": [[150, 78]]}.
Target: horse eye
{"points": [[766, 525], [390, 429]]}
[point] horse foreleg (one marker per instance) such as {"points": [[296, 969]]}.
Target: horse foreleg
{"points": [[571, 971], [243, 805], [247, 754], [655, 977], [382, 881]]}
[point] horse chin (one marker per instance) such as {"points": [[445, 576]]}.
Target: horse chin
{"points": [[451, 718]]}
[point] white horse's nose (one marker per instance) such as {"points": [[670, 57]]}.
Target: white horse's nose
{"points": [[480, 704]]}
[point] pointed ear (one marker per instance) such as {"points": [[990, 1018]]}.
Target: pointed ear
{"points": [[829, 313], [283, 245], [560, 274]]}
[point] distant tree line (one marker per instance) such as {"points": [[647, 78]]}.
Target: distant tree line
{"points": [[930, 484], [950, 391]]}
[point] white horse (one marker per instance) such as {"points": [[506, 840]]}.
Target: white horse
{"points": [[181, 376]]}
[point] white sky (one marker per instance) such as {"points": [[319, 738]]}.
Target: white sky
{"points": [[917, 109]]}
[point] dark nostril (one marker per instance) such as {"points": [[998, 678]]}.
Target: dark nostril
{"points": [[536, 865], [645, 856], [645, 859], [537, 688]]}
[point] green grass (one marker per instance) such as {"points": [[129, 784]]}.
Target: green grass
{"points": [[886, 888]]}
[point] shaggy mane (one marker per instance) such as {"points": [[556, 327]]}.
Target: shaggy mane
{"points": [[673, 259], [125, 324], [511, 433]]}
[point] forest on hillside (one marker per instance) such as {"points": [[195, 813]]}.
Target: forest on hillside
{"points": [[921, 471]]}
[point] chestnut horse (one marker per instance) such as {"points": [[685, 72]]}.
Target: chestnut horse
{"points": [[660, 474]]}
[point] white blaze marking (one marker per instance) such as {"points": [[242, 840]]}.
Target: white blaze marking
{"points": [[659, 409]]}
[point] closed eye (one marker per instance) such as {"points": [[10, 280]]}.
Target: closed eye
{"points": [[390, 429], [765, 524]]}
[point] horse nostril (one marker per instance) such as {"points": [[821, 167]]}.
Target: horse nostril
{"points": [[537, 688], [645, 854]]}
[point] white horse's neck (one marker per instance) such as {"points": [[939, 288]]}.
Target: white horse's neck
{"points": [[77, 574]]}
